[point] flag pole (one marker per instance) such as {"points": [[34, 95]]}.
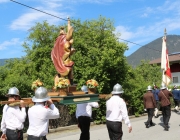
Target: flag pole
{"points": [[165, 33], [166, 76]]}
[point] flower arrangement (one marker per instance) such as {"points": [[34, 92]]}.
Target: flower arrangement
{"points": [[62, 83], [92, 83], [36, 84]]}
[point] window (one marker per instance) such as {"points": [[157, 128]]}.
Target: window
{"points": [[175, 79]]}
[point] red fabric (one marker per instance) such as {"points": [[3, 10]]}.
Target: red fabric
{"points": [[168, 71], [57, 54]]}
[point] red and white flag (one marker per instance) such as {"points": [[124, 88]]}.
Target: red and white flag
{"points": [[166, 77]]}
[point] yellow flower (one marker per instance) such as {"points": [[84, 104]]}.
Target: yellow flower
{"points": [[91, 83], [63, 83], [37, 83]]}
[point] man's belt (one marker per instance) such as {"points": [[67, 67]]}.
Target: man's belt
{"points": [[40, 137]]}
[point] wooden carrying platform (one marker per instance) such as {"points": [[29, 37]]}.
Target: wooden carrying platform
{"points": [[78, 99]]}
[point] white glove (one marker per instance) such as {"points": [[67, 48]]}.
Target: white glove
{"points": [[144, 109]]}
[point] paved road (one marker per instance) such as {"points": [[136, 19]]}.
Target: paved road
{"points": [[139, 132]]}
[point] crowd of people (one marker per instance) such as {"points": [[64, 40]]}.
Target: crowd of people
{"points": [[154, 99], [13, 117]]}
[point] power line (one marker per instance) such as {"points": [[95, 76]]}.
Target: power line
{"points": [[139, 45], [74, 23], [37, 10]]}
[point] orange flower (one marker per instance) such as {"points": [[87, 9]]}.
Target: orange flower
{"points": [[91, 83], [36, 84], [62, 83]]}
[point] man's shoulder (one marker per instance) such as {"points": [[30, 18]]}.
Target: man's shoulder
{"points": [[114, 98]]}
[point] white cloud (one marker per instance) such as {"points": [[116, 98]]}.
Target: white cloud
{"points": [[53, 7], [145, 34], [144, 15], [169, 6], [124, 31], [27, 20], [148, 32], [12, 42], [1, 1]]}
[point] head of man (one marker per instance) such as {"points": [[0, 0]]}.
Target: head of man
{"points": [[41, 95], [149, 88], [175, 87], [84, 89], [117, 90], [13, 94], [163, 86]]}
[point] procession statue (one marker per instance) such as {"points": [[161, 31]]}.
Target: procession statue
{"points": [[62, 51]]}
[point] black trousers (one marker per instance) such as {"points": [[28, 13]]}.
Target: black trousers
{"points": [[157, 104], [84, 125], [150, 112], [14, 134], [166, 112], [30, 137], [114, 130], [176, 102]]}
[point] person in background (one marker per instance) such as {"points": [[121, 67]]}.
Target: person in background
{"points": [[164, 97], [116, 112], [156, 92], [83, 115], [13, 117], [39, 115], [149, 105], [176, 97]]}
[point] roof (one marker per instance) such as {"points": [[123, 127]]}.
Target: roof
{"points": [[173, 57]]}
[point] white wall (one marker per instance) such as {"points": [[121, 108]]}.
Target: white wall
{"points": [[176, 74]]}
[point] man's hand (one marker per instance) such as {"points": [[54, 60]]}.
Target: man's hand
{"points": [[130, 129], [145, 110], [49, 102], [3, 137], [22, 103]]}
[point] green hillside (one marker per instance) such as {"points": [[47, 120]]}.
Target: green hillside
{"points": [[2, 61], [149, 51], [153, 50]]}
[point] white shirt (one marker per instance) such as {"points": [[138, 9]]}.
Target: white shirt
{"points": [[39, 119], [116, 110], [85, 109], [13, 118]]}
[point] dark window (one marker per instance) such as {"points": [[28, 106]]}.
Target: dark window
{"points": [[175, 79]]}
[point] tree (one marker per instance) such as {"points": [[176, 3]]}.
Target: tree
{"points": [[136, 84], [99, 54]]}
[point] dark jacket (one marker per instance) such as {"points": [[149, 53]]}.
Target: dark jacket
{"points": [[165, 100], [156, 92], [149, 100], [176, 94]]}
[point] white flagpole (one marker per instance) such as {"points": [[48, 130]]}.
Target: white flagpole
{"points": [[166, 76], [163, 58]]}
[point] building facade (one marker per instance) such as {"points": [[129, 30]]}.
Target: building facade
{"points": [[174, 61]]}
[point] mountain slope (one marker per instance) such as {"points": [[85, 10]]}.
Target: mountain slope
{"points": [[2, 61], [153, 50]]}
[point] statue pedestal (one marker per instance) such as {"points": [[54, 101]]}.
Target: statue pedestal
{"points": [[71, 88]]}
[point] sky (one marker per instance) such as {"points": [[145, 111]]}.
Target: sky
{"points": [[138, 21]]}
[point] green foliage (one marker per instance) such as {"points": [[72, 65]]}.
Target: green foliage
{"points": [[99, 114], [136, 84], [99, 55], [72, 109]]}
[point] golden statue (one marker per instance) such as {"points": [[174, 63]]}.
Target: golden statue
{"points": [[62, 51]]}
